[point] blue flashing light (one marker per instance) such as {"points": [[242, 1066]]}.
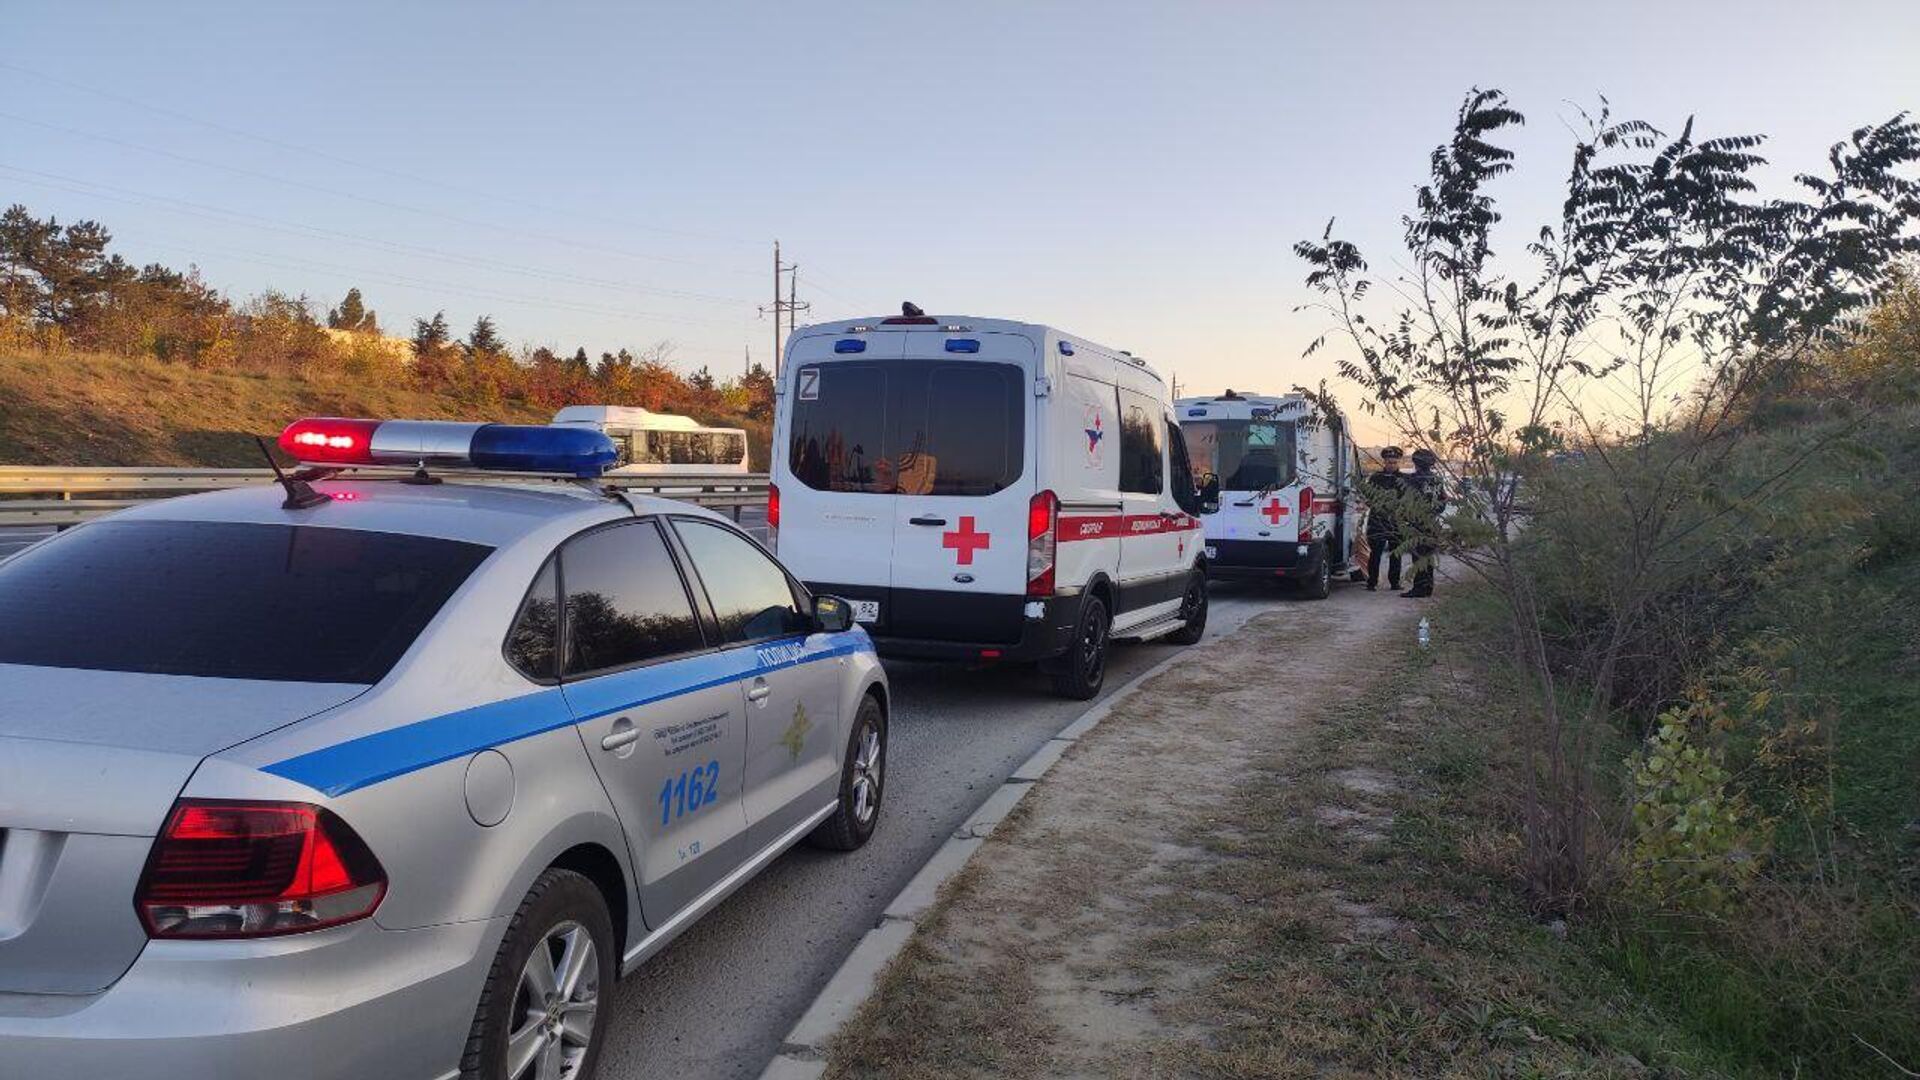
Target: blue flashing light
{"points": [[1196, 412], [526, 448], [962, 344], [1066, 348], [849, 344]]}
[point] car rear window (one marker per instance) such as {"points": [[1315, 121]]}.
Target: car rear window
{"points": [[908, 427], [230, 600]]}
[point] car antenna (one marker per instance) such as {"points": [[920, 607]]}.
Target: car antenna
{"points": [[607, 491], [300, 494]]}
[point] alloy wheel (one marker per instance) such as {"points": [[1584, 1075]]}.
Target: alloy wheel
{"points": [[867, 766], [554, 1006]]}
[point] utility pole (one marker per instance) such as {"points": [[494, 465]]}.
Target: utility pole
{"points": [[789, 307]]}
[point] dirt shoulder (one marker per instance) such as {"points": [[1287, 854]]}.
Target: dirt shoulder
{"points": [[1272, 860]]}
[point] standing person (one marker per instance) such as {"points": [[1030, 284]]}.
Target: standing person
{"points": [[1384, 489], [1426, 497]]}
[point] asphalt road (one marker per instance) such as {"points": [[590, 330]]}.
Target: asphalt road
{"points": [[15, 540], [719, 1000]]}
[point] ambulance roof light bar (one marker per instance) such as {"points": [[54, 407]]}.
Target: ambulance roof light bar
{"points": [[566, 451]]}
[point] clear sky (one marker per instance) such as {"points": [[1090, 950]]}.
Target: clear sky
{"points": [[614, 174]]}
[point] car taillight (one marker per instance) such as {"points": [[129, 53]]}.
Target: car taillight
{"points": [[1306, 514], [773, 515], [1043, 520], [253, 869]]}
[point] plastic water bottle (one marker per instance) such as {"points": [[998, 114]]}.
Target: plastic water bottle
{"points": [[1426, 631]]}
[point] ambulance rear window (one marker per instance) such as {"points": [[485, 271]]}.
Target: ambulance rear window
{"points": [[1247, 455], [905, 427]]}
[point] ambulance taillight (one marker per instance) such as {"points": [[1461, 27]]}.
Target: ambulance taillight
{"points": [[1306, 514], [1043, 534], [773, 517]]}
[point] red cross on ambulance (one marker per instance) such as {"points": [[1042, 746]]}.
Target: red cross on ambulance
{"points": [[965, 541]]}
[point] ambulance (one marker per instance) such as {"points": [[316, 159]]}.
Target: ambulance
{"points": [[1277, 477], [986, 490]]}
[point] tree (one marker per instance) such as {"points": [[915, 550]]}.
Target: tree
{"points": [[352, 314], [430, 335], [483, 340], [1662, 307], [60, 276], [757, 387], [432, 367]]}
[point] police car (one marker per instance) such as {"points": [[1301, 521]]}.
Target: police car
{"points": [[393, 777], [987, 490]]}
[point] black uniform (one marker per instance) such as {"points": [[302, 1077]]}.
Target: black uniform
{"points": [[1426, 497], [1383, 489]]}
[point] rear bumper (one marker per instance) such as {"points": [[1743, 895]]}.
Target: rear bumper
{"points": [[1264, 559], [923, 625], [351, 1002]]}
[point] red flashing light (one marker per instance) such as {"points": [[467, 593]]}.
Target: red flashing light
{"points": [[1043, 535], [330, 439], [242, 870]]}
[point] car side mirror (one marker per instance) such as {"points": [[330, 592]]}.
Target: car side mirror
{"points": [[832, 614]]}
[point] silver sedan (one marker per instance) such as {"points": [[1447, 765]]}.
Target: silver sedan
{"points": [[398, 784]]}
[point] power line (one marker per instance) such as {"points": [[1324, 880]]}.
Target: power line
{"points": [[193, 249], [203, 211], [383, 170], [337, 193]]}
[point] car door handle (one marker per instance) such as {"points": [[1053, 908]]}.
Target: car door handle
{"points": [[760, 691], [620, 737], [927, 521]]}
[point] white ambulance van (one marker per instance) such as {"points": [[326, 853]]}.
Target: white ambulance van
{"points": [[986, 490], [1277, 479]]}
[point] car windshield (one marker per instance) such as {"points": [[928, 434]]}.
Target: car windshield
{"points": [[1247, 455], [227, 599]]}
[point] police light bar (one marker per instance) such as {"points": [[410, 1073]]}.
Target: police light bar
{"points": [[328, 440]]}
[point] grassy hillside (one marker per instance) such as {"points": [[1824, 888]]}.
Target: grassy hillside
{"points": [[94, 409]]}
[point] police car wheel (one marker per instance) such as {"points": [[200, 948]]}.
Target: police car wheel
{"points": [[863, 780], [1193, 612], [542, 1013], [1084, 667]]}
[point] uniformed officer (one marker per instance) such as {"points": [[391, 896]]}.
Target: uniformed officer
{"points": [[1384, 488], [1425, 498]]}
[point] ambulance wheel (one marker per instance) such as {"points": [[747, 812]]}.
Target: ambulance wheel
{"points": [[1193, 612], [1081, 671], [1320, 585]]}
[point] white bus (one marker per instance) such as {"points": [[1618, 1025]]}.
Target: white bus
{"points": [[660, 444]]}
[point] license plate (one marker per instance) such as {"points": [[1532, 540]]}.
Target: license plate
{"points": [[1212, 552], [866, 611]]}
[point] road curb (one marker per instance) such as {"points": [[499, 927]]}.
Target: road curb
{"points": [[803, 1053]]}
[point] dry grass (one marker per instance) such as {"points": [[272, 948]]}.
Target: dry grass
{"points": [[87, 409], [1340, 904]]}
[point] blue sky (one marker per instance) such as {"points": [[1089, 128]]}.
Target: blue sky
{"points": [[614, 174]]}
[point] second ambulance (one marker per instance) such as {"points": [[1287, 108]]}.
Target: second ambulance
{"points": [[986, 490]]}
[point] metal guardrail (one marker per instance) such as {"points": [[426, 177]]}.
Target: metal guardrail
{"points": [[59, 495]]}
